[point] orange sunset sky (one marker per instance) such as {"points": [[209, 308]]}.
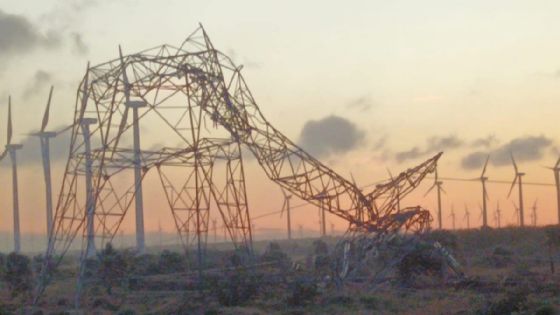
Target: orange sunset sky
{"points": [[402, 80]]}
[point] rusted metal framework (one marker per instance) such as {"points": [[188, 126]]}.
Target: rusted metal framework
{"points": [[195, 96]]}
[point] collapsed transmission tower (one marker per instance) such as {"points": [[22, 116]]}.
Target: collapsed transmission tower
{"points": [[197, 101]]}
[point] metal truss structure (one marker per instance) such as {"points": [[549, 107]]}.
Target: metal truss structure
{"points": [[198, 102]]}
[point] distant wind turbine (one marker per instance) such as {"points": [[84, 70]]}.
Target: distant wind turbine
{"points": [[11, 149], [485, 198], [519, 180], [556, 170], [439, 190], [287, 208], [498, 215], [534, 213], [467, 217], [452, 215], [515, 212]]}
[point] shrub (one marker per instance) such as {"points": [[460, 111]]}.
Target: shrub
{"points": [[113, 267], [447, 239], [303, 291], [234, 289], [18, 274], [421, 260], [274, 254], [170, 262]]}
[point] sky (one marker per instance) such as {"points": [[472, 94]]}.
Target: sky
{"points": [[399, 81]]}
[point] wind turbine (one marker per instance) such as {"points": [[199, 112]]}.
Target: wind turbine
{"points": [[138, 195], [467, 217], [452, 215], [438, 184], [498, 214], [519, 180], [485, 198], [515, 212], [11, 149], [44, 137], [534, 213], [556, 170], [286, 206]]}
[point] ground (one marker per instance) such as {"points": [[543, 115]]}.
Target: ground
{"points": [[506, 271]]}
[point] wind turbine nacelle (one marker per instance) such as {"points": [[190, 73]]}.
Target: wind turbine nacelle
{"points": [[88, 121], [135, 104]]}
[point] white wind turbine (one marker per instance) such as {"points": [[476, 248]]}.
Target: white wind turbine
{"points": [[11, 149], [44, 137], [485, 198]]}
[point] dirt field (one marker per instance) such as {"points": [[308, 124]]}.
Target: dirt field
{"points": [[506, 271]]}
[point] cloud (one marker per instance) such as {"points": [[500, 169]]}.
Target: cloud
{"points": [[409, 155], [330, 135], [40, 80], [433, 145], [528, 148], [79, 46], [362, 103], [486, 142], [18, 35], [443, 143], [474, 160], [30, 154]]}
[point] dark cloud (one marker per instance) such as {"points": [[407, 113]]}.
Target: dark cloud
{"points": [[529, 148], [443, 143], [433, 145], [40, 80], [19, 35], [409, 155], [330, 135], [486, 142], [474, 160], [79, 46], [362, 103], [30, 154]]}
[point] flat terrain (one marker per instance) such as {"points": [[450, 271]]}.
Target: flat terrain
{"points": [[506, 271]]}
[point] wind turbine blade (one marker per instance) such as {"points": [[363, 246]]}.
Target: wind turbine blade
{"points": [[485, 165], [124, 117], [9, 140], [445, 192], [512, 185], [3, 155], [64, 129], [390, 174], [486, 195], [47, 109], [514, 164], [431, 188]]}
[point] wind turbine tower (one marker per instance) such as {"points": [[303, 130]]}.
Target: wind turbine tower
{"points": [[11, 149], [498, 215], [90, 198], [519, 180], [437, 184], [138, 195], [287, 208]]}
